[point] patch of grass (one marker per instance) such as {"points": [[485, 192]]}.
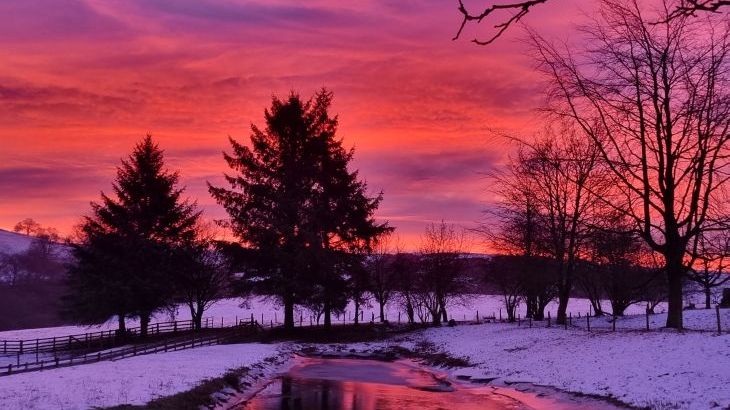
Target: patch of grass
{"points": [[195, 398], [431, 355]]}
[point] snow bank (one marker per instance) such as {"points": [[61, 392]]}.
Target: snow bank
{"points": [[647, 369], [135, 380]]}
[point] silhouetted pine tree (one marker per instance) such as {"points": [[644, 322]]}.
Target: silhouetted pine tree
{"points": [[124, 261], [294, 200]]}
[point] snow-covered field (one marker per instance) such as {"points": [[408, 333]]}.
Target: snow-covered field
{"points": [[659, 370], [136, 380]]}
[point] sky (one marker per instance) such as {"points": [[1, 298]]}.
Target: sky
{"points": [[81, 81]]}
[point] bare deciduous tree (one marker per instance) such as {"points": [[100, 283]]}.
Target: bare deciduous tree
{"points": [[511, 12], [568, 184], [712, 256], [440, 278], [655, 99], [515, 226], [382, 277]]}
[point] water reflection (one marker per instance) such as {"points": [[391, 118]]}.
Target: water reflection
{"points": [[342, 384]]}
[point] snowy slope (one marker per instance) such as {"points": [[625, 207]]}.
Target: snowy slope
{"points": [[11, 242], [136, 380]]}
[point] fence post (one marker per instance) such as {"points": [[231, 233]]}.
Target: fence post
{"points": [[21, 344], [588, 322], [717, 313], [477, 317], [647, 316], [398, 317], [300, 320], [530, 320], [565, 323], [519, 320], [613, 323], [570, 318], [549, 318], [500, 314]]}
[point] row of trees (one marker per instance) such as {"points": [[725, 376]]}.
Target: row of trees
{"points": [[631, 174], [303, 220]]}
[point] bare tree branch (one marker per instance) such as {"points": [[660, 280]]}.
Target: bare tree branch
{"points": [[518, 10]]}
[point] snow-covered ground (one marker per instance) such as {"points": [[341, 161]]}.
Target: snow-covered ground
{"points": [[659, 370], [12, 242], [136, 380]]}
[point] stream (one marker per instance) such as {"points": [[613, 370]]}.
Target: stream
{"points": [[359, 384]]}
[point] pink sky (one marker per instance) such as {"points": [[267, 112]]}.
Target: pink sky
{"points": [[81, 81]]}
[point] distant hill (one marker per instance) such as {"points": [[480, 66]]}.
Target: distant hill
{"points": [[12, 242]]}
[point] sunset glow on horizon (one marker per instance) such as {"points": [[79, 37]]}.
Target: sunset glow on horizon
{"points": [[82, 81]]}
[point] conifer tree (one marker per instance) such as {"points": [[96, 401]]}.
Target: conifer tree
{"points": [[294, 200], [124, 260]]}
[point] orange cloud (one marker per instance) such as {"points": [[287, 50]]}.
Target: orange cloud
{"points": [[81, 81]]}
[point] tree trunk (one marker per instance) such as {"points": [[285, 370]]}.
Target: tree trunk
{"points": [[327, 315], [597, 308], [357, 313], [675, 272], [122, 324], [708, 297], [288, 312], [382, 312], [563, 298], [198, 319], [409, 310], [122, 329], [144, 322], [531, 306]]}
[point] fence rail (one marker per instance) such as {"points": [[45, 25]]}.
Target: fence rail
{"points": [[100, 339], [186, 342]]}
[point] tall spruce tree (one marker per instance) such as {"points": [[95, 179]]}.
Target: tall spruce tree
{"points": [[294, 200], [124, 260]]}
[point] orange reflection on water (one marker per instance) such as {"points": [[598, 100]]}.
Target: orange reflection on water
{"points": [[346, 384]]}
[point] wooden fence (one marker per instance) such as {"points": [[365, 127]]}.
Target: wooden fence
{"points": [[185, 342], [100, 339]]}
